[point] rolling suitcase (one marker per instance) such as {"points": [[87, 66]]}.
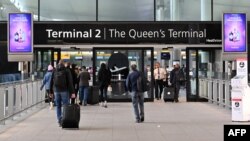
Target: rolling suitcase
{"points": [[70, 116], [93, 97], [168, 94]]}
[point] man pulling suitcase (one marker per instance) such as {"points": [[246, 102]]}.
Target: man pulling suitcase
{"points": [[71, 116], [62, 85]]}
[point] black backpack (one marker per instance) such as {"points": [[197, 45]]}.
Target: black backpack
{"points": [[180, 75], [60, 78], [142, 83]]}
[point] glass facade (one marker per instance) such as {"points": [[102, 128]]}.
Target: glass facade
{"points": [[121, 10], [68, 10], [11, 6], [179, 10], [126, 10], [221, 6]]}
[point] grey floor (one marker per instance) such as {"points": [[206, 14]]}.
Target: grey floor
{"points": [[183, 121]]}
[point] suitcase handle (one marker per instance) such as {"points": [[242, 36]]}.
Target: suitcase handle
{"points": [[71, 100]]}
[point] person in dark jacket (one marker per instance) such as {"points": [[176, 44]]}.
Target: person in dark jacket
{"points": [[75, 80], [175, 81], [84, 78], [62, 86], [137, 97], [75, 77], [104, 77], [46, 82]]}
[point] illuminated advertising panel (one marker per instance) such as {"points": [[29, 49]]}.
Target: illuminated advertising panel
{"points": [[234, 32], [20, 34]]}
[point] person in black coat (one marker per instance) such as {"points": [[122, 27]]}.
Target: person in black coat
{"points": [[175, 76], [104, 77], [75, 80], [62, 86]]}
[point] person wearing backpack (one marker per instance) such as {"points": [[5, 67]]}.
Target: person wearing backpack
{"points": [[75, 81], [176, 77], [132, 85], [183, 71], [62, 86]]}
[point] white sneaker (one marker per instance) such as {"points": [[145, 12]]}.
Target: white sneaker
{"points": [[102, 104], [105, 104]]}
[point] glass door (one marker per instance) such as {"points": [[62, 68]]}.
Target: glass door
{"points": [[43, 58], [118, 61], [56, 56], [191, 74], [202, 63]]}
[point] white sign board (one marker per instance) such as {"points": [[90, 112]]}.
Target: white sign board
{"points": [[242, 67]]}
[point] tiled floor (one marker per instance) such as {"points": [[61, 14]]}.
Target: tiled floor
{"points": [[183, 121]]}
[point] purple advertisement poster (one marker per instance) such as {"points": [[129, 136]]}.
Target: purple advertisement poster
{"points": [[20, 33], [234, 32]]}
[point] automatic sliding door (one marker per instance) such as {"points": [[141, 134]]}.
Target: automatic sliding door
{"points": [[191, 74], [43, 57], [118, 61], [201, 63]]}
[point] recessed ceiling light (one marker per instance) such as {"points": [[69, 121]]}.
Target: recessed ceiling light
{"points": [[2, 8]]}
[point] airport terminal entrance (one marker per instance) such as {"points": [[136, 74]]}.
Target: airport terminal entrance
{"points": [[133, 41], [201, 63], [118, 61], [42, 58]]}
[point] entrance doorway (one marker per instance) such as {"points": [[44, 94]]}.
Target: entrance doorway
{"points": [[119, 61], [92, 59], [44, 57], [201, 63]]}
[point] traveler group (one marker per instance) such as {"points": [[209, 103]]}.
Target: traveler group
{"points": [[170, 79], [66, 80]]}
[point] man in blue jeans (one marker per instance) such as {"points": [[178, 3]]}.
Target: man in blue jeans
{"points": [[137, 97], [62, 85], [84, 78]]}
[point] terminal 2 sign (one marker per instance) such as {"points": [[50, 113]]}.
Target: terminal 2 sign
{"points": [[128, 32]]}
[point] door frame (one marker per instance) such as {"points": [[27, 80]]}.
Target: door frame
{"points": [[196, 97], [143, 65], [53, 50]]}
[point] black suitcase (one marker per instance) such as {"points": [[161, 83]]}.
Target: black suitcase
{"points": [[93, 97], [70, 116], [168, 94]]}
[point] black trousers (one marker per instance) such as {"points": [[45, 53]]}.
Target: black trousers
{"points": [[103, 95], [158, 86], [73, 100], [176, 93], [48, 97]]}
